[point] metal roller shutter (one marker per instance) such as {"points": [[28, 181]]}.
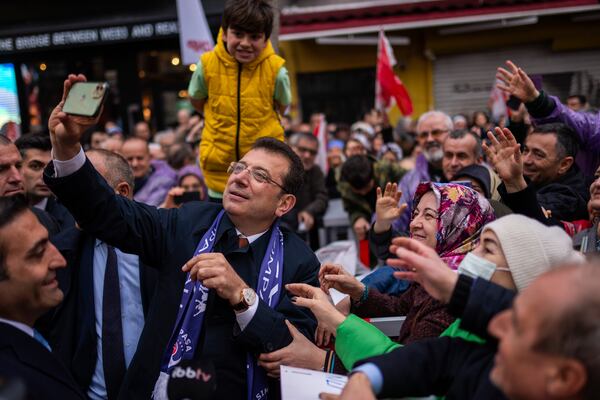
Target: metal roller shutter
{"points": [[462, 82]]}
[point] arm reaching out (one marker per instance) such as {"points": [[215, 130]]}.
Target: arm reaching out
{"points": [[423, 266]]}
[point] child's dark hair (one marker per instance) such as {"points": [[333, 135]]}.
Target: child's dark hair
{"points": [[252, 16]]}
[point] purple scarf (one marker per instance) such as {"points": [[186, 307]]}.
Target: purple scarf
{"points": [[190, 317]]}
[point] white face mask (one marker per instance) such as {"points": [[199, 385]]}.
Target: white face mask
{"points": [[476, 267]]}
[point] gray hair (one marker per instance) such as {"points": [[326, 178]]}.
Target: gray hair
{"points": [[296, 137], [117, 168], [461, 133], [436, 113], [574, 332]]}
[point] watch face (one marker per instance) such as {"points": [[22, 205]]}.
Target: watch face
{"points": [[249, 296]]}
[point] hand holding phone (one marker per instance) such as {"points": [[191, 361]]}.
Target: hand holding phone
{"points": [[65, 129], [86, 98], [187, 197]]}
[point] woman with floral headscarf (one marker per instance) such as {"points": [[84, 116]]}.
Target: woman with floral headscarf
{"points": [[447, 217]]}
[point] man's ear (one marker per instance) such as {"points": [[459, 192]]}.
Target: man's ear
{"points": [[286, 203], [567, 380], [565, 164], [124, 189]]}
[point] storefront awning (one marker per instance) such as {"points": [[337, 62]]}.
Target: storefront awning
{"points": [[298, 23]]}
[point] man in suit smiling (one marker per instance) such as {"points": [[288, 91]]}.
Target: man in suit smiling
{"points": [[228, 304], [28, 289]]}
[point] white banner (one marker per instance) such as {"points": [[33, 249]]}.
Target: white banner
{"points": [[194, 35]]}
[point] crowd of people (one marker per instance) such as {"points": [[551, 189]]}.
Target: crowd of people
{"points": [[127, 256]]}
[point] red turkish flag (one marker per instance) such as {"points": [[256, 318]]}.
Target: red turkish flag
{"points": [[389, 89]]}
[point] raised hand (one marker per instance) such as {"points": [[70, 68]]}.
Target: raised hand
{"points": [[504, 154], [335, 276], [423, 265], [516, 82], [387, 208], [66, 130]]}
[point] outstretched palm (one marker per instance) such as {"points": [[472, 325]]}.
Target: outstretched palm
{"points": [[387, 208], [504, 154], [516, 82]]}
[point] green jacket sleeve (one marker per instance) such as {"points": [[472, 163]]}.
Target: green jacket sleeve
{"points": [[455, 331], [356, 339]]}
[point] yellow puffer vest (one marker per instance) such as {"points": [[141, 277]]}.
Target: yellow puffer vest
{"points": [[239, 109]]}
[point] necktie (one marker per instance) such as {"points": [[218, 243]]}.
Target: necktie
{"points": [[38, 336], [113, 356], [242, 242]]}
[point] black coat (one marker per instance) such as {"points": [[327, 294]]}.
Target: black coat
{"points": [[449, 366], [44, 375], [567, 198], [72, 332], [61, 215], [165, 240]]}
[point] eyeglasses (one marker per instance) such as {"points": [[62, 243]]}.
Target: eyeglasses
{"points": [[259, 175], [302, 149], [436, 133]]}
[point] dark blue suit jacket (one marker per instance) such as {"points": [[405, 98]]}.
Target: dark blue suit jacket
{"points": [[44, 375], [63, 217], [165, 240], [72, 332]]}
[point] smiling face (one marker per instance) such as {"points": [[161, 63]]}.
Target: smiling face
{"points": [[521, 369], [424, 221], [243, 46], [541, 160], [249, 202], [30, 263]]}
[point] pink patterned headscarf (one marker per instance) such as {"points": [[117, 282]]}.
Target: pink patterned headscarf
{"points": [[462, 215]]}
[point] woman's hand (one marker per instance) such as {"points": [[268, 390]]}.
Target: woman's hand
{"points": [[335, 276], [387, 208], [424, 266], [314, 298]]}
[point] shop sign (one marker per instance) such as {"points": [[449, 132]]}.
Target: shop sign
{"points": [[88, 36]]}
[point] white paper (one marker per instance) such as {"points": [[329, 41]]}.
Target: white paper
{"points": [[306, 384]]}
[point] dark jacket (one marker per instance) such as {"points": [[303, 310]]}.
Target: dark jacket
{"points": [[358, 206], [72, 332], [311, 198], [587, 241], [450, 366], [165, 240], [566, 198], [23, 357], [63, 217]]}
